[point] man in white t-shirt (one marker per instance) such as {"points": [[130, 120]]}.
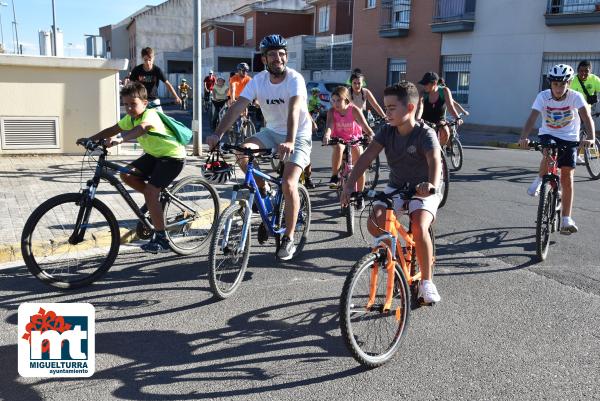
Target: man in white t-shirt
{"points": [[562, 111], [281, 92]]}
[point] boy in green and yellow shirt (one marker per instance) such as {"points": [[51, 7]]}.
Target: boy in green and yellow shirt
{"points": [[161, 163]]}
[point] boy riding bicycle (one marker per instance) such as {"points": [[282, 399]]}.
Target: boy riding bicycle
{"points": [[563, 110], [413, 155], [163, 160]]}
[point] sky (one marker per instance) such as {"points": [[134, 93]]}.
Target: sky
{"points": [[75, 18]]}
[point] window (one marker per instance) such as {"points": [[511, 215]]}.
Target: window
{"points": [[204, 40], [456, 71], [370, 3], [396, 71], [571, 6], [572, 59], [250, 28], [211, 38], [400, 13], [323, 19]]}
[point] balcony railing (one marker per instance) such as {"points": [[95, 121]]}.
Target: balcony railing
{"points": [[394, 18], [453, 16], [572, 12]]}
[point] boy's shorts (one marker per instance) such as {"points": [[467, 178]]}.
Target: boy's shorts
{"points": [[567, 157], [160, 170], [302, 145], [429, 203]]}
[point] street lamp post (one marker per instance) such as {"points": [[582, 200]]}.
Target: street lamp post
{"points": [[2, 4], [15, 25], [54, 29]]}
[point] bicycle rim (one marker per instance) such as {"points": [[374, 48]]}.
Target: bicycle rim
{"points": [[189, 226], [592, 160], [544, 221], [372, 174], [445, 184], [227, 265], [372, 335], [54, 258], [456, 157]]}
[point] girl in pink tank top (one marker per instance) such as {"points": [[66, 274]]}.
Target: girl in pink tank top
{"points": [[344, 121]]}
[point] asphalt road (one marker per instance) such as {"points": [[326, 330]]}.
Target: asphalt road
{"points": [[507, 327]]}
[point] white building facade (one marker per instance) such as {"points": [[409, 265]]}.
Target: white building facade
{"points": [[498, 67]]}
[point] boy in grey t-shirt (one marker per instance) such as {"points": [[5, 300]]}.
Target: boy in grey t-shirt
{"points": [[414, 158]]}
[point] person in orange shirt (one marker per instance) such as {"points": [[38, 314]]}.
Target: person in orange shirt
{"points": [[238, 82]]}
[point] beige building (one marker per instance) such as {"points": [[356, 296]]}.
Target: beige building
{"points": [[49, 102]]}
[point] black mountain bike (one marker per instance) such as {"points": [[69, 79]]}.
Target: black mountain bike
{"points": [[72, 239]]}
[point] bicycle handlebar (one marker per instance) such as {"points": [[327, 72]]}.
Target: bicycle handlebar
{"points": [[92, 145], [246, 151], [405, 193], [336, 141], [553, 145]]}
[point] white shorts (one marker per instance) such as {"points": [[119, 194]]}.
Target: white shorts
{"points": [[429, 203], [302, 145]]}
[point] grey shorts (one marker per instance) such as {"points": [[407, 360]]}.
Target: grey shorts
{"points": [[302, 145], [429, 203]]}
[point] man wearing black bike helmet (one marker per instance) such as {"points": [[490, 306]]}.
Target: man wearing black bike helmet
{"points": [[281, 92], [562, 110]]}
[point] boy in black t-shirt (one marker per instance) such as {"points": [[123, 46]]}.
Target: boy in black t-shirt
{"points": [[149, 75]]}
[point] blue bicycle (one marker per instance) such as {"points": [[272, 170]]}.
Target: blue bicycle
{"points": [[230, 246]]}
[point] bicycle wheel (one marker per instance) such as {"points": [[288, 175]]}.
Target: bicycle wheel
{"points": [[248, 130], [445, 181], [372, 174], [190, 219], [592, 160], [544, 222], [227, 262], [302, 224], [373, 335], [456, 153], [53, 254]]}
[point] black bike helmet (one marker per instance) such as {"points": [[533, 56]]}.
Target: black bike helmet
{"points": [[271, 42], [243, 67], [216, 168]]}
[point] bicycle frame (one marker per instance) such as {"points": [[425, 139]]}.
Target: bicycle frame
{"points": [[265, 205], [392, 254]]}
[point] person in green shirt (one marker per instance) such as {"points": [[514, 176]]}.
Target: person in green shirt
{"points": [[314, 103], [161, 163], [585, 81], [591, 83]]}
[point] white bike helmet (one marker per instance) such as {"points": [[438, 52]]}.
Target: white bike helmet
{"points": [[561, 73]]}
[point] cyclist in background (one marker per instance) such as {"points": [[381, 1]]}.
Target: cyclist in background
{"points": [[562, 111], [219, 98], [150, 76], [238, 82], [588, 85], [360, 95], [209, 83]]}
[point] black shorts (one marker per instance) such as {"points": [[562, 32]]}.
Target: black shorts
{"points": [[161, 171], [566, 158]]}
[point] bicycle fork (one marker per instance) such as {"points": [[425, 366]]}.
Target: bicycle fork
{"points": [[83, 216], [386, 255], [244, 203]]}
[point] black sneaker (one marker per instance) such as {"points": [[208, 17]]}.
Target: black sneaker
{"points": [[333, 182], [157, 244], [309, 184], [286, 249]]}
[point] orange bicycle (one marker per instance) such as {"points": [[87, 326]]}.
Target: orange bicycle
{"points": [[381, 288]]}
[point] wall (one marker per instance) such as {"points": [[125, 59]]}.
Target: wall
{"points": [[81, 92], [370, 53], [506, 59], [285, 24]]}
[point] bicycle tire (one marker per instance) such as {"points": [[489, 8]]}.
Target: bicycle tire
{"points": [[372, 322], [248, 130], [349, 214], [224, 283], [544, 224], [304, 214], [102, 229], [592, 160], [445, 185], [372, 174], [456, 153], [191, 237]]}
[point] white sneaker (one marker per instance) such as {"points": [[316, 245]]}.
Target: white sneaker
{"points": [[568, 226], [428, 292], [286, 249], [534, 188], [580, 160]]}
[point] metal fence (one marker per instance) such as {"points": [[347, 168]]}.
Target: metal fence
{"points": [[327, 52], [572, 6], [396, 70], [572, 59], [394, 14], [451, 10], [456, 71]]}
